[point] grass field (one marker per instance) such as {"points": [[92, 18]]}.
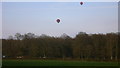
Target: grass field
{"points": [[55, 63]]}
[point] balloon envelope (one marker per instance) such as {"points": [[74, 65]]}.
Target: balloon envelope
{"points": [[81, 3], [58, 20]]}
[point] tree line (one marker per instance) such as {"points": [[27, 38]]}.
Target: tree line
{"points": [[83, 46]]}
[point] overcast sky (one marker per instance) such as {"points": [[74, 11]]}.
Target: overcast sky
{"points": [[40, 18]]}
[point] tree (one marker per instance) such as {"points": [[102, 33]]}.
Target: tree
{"points": [[84, 46], [99, 43], [112, 43], [18, 36]]}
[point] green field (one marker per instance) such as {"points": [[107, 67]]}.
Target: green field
{"points": [[55, 63]]}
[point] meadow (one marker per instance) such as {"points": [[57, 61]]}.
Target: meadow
{"points": [[20, 62]]}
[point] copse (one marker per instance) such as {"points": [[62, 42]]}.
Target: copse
{"points": [[84, 46]]}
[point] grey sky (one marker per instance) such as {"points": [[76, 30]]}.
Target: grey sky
{"points": [[40, 18]]}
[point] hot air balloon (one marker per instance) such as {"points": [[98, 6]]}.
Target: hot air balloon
{"points": [[81, 3], [58, 20]]}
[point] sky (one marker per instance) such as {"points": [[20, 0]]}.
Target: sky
{"points": [[60, 0], [40, 18], [0, 20]]}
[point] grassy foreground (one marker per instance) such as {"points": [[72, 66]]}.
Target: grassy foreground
{"points": [[55, 63]]}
